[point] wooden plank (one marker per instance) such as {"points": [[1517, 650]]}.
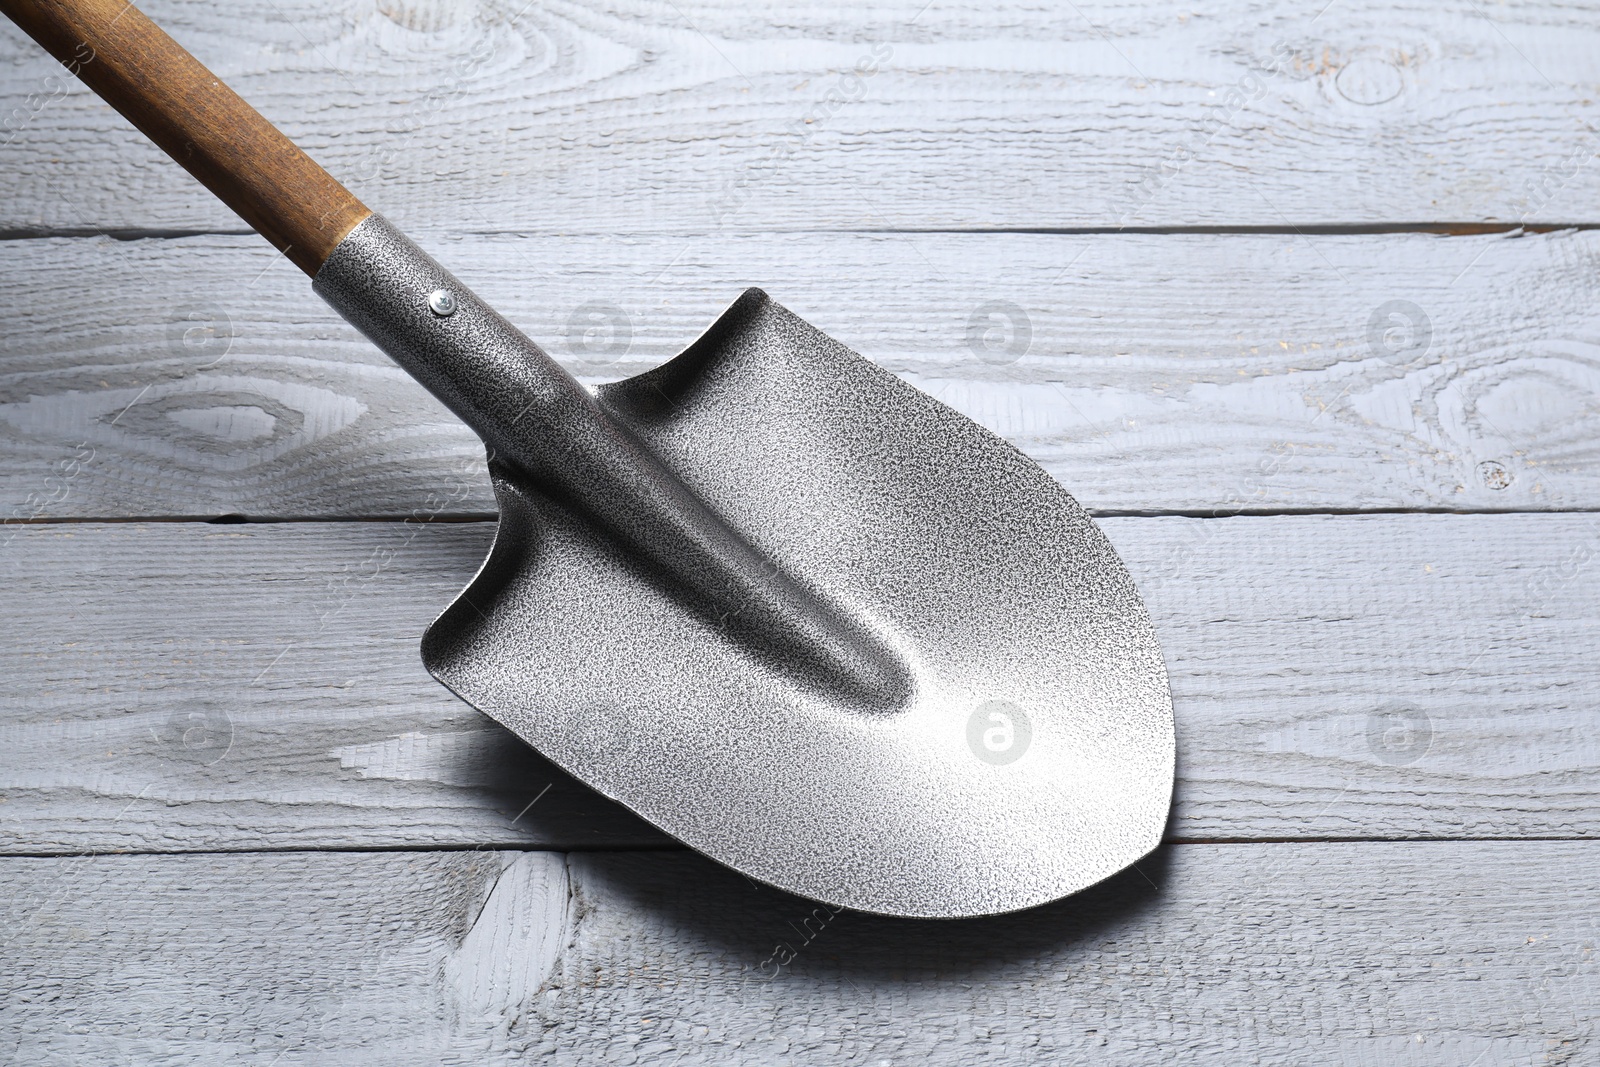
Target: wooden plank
{"points": [[1404, 953], [298, 958], [691, 116], [195, 687], [1192, 373], [1397, 953]]}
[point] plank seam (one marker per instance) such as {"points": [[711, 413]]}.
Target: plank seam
{"points": [[1310, 229], [667, 849], [233, 518]]}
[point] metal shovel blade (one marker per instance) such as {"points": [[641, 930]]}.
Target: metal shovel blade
{"points": [[1033, 753]]}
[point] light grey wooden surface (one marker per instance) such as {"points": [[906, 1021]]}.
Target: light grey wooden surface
{"points": [[1333, 676], [1394, 953], [1188, 373], [1299, 298], [689, 116]]}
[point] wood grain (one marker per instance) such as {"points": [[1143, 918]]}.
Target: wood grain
{"points": [[197, 120], [294, 704], [185, 687], [1193, 373], [232, 695], [293, 958], [679, 116], [1441, 954], [1285, 954]]}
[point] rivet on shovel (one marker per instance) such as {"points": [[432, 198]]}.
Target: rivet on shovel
{"points": [[441, 303]]}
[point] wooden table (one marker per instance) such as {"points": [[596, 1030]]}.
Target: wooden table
{"points": [[1301, 302]]}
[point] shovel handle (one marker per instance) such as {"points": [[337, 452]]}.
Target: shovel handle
{"points": [[198, 121]]}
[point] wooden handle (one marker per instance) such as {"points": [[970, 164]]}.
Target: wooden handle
{"points": [[198, 121]]}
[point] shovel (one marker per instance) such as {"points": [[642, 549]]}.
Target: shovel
{"points": [[794, 612]]}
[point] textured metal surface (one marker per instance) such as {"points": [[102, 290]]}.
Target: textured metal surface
{"points": [[879, 658], [540, 421]]}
